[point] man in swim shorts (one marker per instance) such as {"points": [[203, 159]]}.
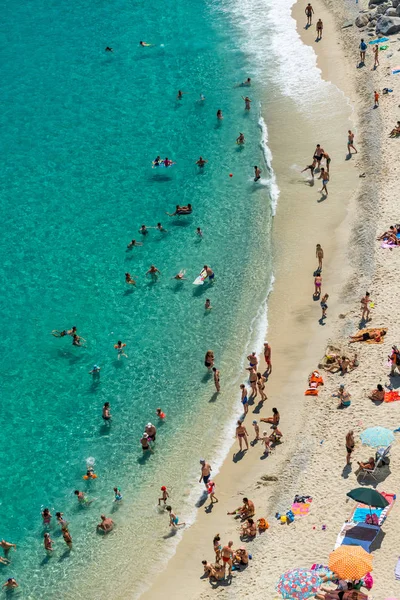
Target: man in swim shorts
{"points": [[106, 411], [210, 272], [318, 155], [320, 27], [216, 379], [268, 357], [257, 173], [309, 12], [227, 557], [324, 175], [106, 524], [205, 472], [253, 360]]}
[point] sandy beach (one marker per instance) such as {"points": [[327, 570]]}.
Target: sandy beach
{"points": [[312, 459]]}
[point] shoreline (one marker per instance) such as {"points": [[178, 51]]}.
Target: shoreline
{"points": [[293, 346]]}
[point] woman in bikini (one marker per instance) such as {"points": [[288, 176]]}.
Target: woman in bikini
{"points": [[274, 421], [261, 386], [241, 434], [217, 547], [317, 286], [209, 359]]}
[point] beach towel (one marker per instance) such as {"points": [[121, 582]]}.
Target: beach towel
{"points": [[361, 510], [397, 570], [391, 396], [388, 245], [300, 508], [311, 392], [360, 514], [395, 70], [379, 41], [361, 535], [372, 330]]}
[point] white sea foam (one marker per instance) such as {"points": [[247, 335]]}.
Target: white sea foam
{"points": [[274, 189]]}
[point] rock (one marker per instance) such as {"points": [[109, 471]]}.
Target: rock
{"points": [[391, 12], [388, 25], [362, 20], [371, 4], [398, 10], [347, 24], [382, 9], [395, 3]]}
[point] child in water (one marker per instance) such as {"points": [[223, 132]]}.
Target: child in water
{"points": [[164, 496]]}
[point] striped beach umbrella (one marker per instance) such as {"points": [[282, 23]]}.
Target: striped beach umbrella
{"points": [[350, 562], [377, 436], [298, 584]]}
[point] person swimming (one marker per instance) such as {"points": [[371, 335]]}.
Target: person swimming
{"points": [[143, 230], [181, 210], [117, 494], [180, 276], [134, 243], [257, 173], [108, 49], [145, 44], [157, 161], [240, 139], [128, 279]]}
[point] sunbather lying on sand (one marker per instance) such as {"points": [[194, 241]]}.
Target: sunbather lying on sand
{"points": [[377, 395], [364, 336]]}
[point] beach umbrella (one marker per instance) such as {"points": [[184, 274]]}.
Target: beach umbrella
{"points": [[368, 496], [350, 562], [377, 436], [298, 584]]}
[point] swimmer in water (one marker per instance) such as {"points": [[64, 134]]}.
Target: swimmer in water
{"points": [[48, 543], [82, 498], [119, 346], [199, 232], [67, 536], [157, 161], [154, 272], [143, 230], [180, 275], [240, 140], [90, 474], [207, 304], [180, 94], [77, 340], [108, 49], [167, 162], [7, 546], [247, 82], [46, 516], [106, 415], [257, 173], [117, 494], [128, 279], [145, 44], [4, 561], [210, 273], [219, 114], [173, 519], [161, 228], [61, 520], [247, 102], [65, 332], [145, 443], [160, 414], [164, 496], [106, 524], [202, 98], [201, 162], [134, 243], [10, 583], [181, 210], [95, 371]]}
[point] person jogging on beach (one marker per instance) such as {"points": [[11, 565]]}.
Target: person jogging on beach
{"points": [[324, 175], [205, 472], [320, 27], [309, 12], [363, 49], [350, 142]]}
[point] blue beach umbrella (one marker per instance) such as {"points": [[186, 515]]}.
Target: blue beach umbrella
{"points": [[299, 584], [377, 436]]}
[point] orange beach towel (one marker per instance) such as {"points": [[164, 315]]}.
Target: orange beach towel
{"points": [[391, 396], [314, 381]]}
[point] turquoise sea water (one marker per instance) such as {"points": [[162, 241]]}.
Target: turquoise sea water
{"points": [[80, 128]]}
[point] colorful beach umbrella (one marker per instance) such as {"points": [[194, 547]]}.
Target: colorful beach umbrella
{"points": [[298, 584], [377, 436], [368, 496], [350, 562]]}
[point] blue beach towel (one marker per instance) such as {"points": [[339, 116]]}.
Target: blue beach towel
{"points": [[379, 41], [360, 514]]}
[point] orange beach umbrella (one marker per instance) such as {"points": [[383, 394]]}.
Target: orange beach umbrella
{"points": [[350, 562]]}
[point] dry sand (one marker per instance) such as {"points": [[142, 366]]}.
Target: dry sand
{"points": [[312, 458]]}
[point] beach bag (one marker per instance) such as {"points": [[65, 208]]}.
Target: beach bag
{"points": [[368, 581], [372, 519]]}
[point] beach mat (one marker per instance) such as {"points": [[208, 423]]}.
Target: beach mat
{"points": [[361, 535], [388, 245], [372, 330]]}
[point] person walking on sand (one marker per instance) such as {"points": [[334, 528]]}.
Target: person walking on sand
{"points": [[376, 99], [319, 253], [217, 547], [320, 27], [309, 13], [211, 492], [317, 286], [349, 445], [376, 55], [216, 379], [363, 49], [365, 311], [241, 434], [350, 142], [256, 431], [268, 357], [324, 175], [205, 472], [227, 557], [324, 306], [244, 399]]}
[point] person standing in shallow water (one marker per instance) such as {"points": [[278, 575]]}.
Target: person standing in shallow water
{"points": [[241, 434]]}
